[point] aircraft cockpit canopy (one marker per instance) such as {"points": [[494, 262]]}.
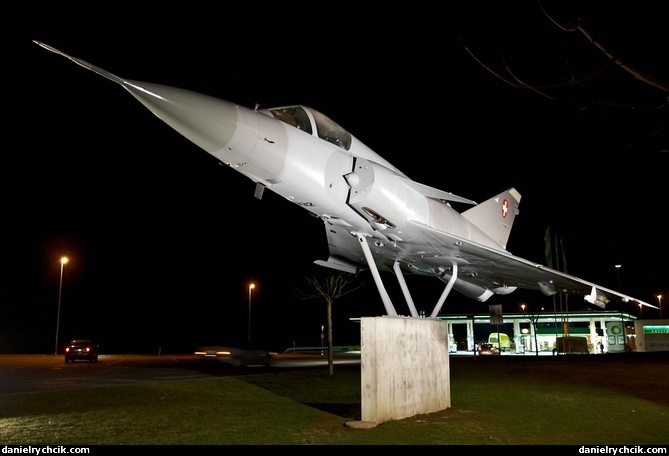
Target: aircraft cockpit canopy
{"points": [[310, 120]]}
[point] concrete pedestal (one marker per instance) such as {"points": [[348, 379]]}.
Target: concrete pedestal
{"points": [[404, 367]]}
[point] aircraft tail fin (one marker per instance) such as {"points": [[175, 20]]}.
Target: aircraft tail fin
{"points": [[495, 216]]}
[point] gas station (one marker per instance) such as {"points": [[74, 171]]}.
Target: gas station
{"points": [[546, 332]]}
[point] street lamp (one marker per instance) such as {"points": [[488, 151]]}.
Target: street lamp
{"points": [[659, 303], [251, 287], [322, 338], [63, 260], [622, 319]]}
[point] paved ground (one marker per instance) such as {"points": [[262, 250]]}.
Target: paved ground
{"points": [[20, 374]]}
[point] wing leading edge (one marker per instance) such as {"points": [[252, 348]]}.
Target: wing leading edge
{"points": [[493, 269]]}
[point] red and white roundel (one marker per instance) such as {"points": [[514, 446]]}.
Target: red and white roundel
{"points": [[505, 208]]}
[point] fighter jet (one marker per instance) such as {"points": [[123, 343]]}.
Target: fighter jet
{"points": [[375, 217]]}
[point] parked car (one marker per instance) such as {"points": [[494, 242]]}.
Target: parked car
{"points": [[487, 349], [235, 356], [83, 349]]}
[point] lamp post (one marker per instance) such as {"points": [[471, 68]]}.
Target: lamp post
{"points": [[622, 319], [322, 338], [523, 332], [251, 287], [63, 260], [659, 303]]}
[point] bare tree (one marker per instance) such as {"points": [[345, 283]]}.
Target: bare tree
{"points": [[534, 319], [553, 84], [331, 288]]}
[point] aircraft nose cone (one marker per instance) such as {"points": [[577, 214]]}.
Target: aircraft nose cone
{"points": [[206, 121]]}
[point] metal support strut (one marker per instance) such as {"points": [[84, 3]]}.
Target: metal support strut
{"points": [[447, 290], [390, 309], [405, 289]]}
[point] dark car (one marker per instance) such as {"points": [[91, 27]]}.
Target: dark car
{"points": [[83, 349], [487, 349], [235, 356]]}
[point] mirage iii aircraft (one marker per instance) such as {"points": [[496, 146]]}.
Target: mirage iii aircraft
{"points": [[375, 217]]}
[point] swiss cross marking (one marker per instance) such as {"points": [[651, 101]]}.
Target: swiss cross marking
{"points": [[505, 208]]}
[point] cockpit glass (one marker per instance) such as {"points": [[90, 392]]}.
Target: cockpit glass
{"points": [[330, 131], [294, 116], [326, 128]]}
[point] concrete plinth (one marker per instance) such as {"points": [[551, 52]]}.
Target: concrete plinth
{"points": [[404, 367]]}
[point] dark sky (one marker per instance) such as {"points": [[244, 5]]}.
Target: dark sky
{"points": [[163, 241]]}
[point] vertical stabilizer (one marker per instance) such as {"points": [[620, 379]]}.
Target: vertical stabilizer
{"points": [[495, 216]]}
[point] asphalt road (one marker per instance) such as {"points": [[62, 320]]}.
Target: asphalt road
{"points": [[24, 374]]}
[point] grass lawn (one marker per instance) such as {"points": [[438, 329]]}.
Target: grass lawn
{"points": [[517, 400]]}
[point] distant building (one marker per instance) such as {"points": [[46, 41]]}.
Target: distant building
{"points": [[651, 335], [603, 331]]}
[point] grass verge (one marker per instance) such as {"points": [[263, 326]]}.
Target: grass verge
{"points": [[587, 399]]}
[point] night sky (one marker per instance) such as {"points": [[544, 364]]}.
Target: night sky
{"points": [[163, 241]]}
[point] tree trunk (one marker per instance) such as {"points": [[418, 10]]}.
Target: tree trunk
{"points": [[330, 356]]}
